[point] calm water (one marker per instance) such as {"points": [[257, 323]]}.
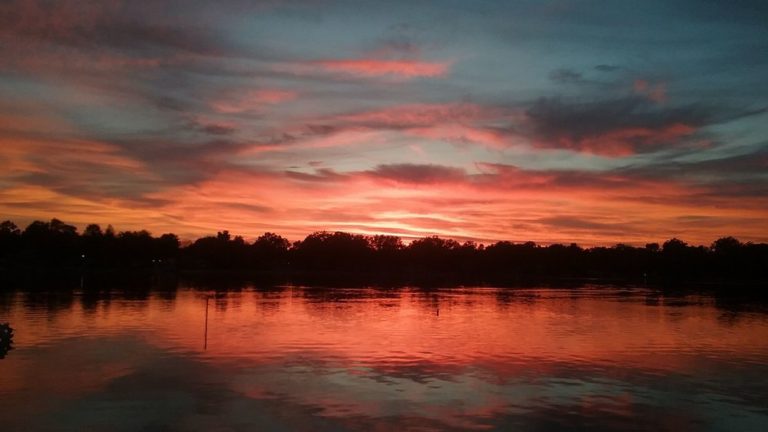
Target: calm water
{"points": [[309, 359]]}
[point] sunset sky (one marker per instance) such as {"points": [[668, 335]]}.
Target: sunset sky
{"points": [[593, 122]]}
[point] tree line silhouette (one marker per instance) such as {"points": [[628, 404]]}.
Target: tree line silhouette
{"points": [[43, 246]]}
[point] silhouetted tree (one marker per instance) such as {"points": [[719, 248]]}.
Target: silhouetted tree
{"points": [[8, 228], [57, 245], [433, 254], [270, 251], [93, 230], [10, 243], [51, 243], [387, 252], [337, 251], [168, 246], [110, 231]]}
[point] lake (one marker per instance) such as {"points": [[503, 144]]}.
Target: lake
{"points": [[321, 359]]}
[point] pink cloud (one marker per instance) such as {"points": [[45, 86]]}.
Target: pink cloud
{"points": [[423, 115], [253, 100], [461, 134], [458, 123], [626, 141], [375, 67]]}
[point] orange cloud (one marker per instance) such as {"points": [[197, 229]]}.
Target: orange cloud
{"points": [[44, 156]]}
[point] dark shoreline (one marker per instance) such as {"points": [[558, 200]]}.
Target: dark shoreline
{"points": [[55, 253], [225, 279]]}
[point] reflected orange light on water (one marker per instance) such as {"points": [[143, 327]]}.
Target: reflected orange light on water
{"points": [[454, 327], [465, 358]]}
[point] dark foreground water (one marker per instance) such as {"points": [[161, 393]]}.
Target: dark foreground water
{"points": [[310, 359]]}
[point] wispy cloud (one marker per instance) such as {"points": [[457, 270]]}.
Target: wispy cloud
{"points": [[374, 67], [253, 100]]}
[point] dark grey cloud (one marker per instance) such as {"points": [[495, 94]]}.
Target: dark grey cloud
{"points": [[514, 177], [745, 164], [135, 38], [95, 182], [177, 162], [580, 224], [319, 175], [607, 68], [216, 129], [743, 175], [128, 28], [401, 39], [162, 149], [565, 75], [712, 182], [633, 122], [401, 173], [417, 173], [93, 34], [249, 207]]}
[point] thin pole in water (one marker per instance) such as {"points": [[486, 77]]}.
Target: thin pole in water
{"points": [[205, 342]]}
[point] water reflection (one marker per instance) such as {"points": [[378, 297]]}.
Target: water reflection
{"points": [[293, 358]]}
